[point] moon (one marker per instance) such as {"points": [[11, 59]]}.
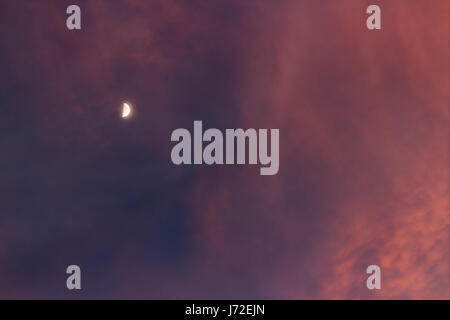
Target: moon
{"points": [[126, 110]]}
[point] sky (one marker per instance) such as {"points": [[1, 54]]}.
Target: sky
{"points": [[364, 161]]}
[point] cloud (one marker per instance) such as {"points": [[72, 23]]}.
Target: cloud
{"points": [[363, 119]]}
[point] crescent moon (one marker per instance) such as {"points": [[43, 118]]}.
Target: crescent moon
{"points": [[126, 110]]}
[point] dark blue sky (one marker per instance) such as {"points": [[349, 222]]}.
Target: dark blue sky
{"points": [[363, 119]]}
